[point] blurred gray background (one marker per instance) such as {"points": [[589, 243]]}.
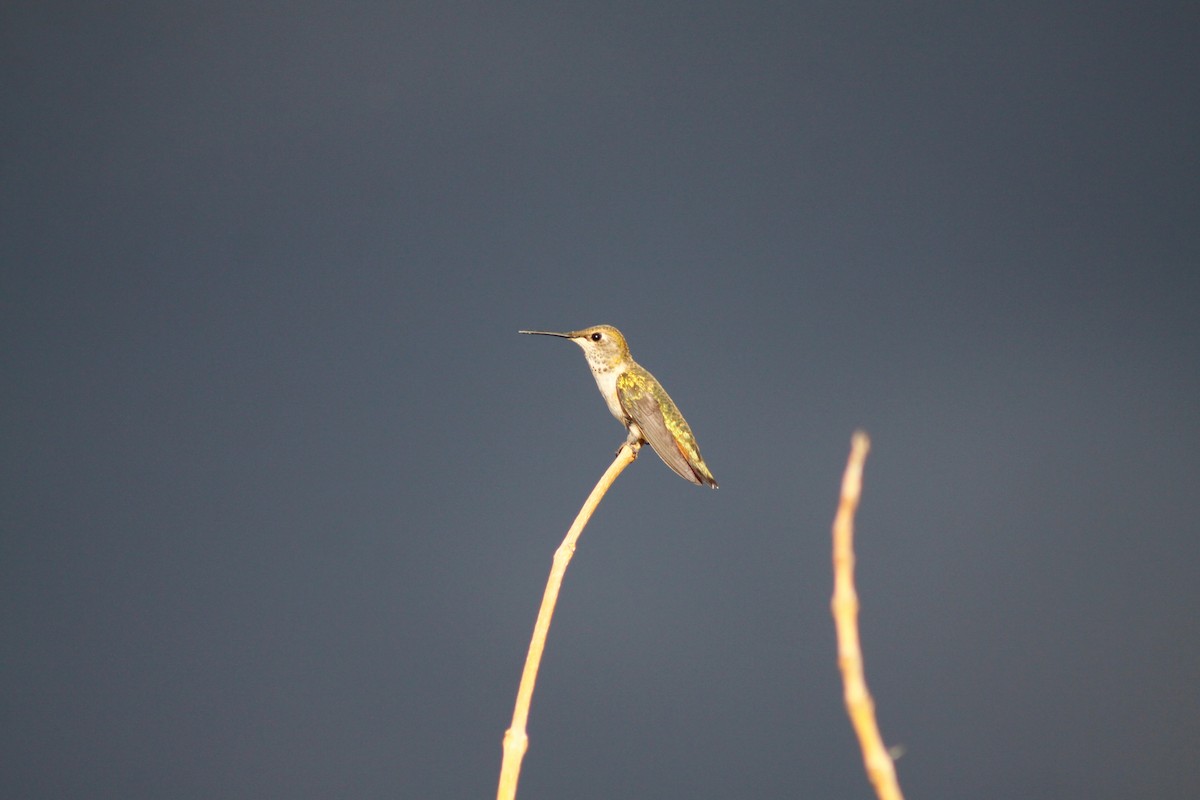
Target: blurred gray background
{"points": [[281, 482]]}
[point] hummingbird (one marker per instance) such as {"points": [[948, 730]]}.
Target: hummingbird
{"points": [[639, 402]]}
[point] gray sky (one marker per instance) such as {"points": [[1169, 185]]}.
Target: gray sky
{"points": [[281, 482]]}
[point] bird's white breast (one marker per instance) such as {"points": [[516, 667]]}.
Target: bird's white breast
{"points": [[607, 381]]}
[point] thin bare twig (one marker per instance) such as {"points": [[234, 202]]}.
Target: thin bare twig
{"points": [[516, 741], [859, 705]]}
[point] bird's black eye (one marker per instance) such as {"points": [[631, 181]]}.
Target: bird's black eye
{"points": [[597, 336]]}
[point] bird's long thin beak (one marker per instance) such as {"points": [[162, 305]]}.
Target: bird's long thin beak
{"points": [[550, 333]]}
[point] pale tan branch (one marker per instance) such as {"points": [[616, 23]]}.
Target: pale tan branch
{"points": [[878, 762], [516, 741]]}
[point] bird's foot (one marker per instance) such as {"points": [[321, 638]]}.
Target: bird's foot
{"points": [[635, 445]]}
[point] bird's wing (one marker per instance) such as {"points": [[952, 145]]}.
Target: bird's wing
{"points": [[642, 407]]}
